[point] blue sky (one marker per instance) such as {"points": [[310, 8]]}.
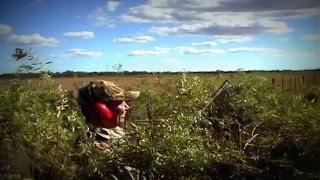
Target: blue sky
{"points": [[163, 35]]}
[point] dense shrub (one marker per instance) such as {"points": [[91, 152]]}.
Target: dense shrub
{"points": [[254, 131], [44, 124], [253, 126]]}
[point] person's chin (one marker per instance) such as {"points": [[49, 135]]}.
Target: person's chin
{"points": [[121, 120]]}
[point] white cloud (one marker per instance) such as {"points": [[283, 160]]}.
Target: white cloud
{"points": [[5, 29], [273, 52], [80, 34], [147, 13], [84, 53], [275, 26], [255, 50], [164, 30], [233, 39], [291, 13], [223, 40], [311, 37], [181, 50], [133, 19], [101, 15], [156, 51], [138, 39], [215, 17], [205, 43], [163, 50], [223, 28], [32, 40], [145, 53], [195, 51], [196, 28], [112, 5]]}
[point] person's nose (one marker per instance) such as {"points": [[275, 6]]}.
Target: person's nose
{"points": [[126, 106]]}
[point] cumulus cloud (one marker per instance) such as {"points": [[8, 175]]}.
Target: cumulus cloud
{"points": [[255, 50], [214, 17], [311, 37], [138, 39], [112, 5], [101, 15], [196, 51], [144, 53], [233, 39], [205, 43], [275, 26], [163, 50], [32, 40], [5, 29], [291, 13], [155, 52], [272, 52], [179, 49], [223, 30], [80, 34], [272, 5], [224, 39], [84, 53]]}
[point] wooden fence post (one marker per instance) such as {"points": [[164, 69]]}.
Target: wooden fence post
{"points": [[273, 82], [295, 83], [290, 84]]}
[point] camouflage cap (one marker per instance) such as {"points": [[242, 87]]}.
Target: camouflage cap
{"points": [[111, 91]]}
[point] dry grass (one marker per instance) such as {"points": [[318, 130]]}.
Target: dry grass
{"points": [[285, 81]]}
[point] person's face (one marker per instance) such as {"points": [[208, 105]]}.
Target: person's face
{"points": [[121, 110]]}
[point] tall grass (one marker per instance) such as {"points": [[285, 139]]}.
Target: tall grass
{"points": [[254, 131]]}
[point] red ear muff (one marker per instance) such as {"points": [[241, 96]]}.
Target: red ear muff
{"points": [[103, 111], [105, 115]]}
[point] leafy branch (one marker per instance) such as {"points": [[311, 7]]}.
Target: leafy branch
{"points": [[36, 63]]}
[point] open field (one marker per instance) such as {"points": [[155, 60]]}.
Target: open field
{"points": [[284, 81]]}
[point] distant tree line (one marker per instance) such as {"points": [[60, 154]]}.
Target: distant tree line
{"points": [[86, 74]]}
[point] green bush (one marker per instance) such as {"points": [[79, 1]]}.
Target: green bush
{"points": [[249, 130]]}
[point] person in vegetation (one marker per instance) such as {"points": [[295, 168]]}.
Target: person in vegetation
{"points": [[104, 105]]}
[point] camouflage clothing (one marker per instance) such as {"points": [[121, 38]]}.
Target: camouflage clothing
{"points": [[106, 137], [106, 90]]}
